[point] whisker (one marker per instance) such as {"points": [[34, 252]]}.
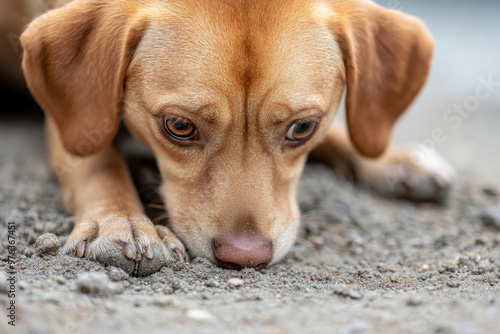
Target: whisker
{"points": [[160, 218], [156, 206]]}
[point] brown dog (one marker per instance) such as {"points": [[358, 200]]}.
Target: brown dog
{"points": [[231, 96]]}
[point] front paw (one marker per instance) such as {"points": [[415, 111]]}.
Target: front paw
{"points": [[128, 242], [410, 174]]}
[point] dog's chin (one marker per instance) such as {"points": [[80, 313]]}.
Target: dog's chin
{"points": [[284, 239]]}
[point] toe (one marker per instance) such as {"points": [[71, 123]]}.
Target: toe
{"points": [[173, 244], [77, 242]]}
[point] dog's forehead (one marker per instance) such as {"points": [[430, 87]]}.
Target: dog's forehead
{"points": [[238, 51]]}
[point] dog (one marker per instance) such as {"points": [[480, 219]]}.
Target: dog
{"points": [[232, 97]]}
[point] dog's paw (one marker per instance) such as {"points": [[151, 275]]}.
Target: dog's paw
{"points": [[410, 174], [130, 243]]}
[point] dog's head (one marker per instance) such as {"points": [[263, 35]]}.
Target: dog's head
{"points": [[229, 95]]}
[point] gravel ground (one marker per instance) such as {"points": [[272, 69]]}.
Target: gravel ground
{"points": [[362, 264]]}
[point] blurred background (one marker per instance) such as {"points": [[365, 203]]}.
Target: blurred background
{"points": [[467, 48], [465, 76]]}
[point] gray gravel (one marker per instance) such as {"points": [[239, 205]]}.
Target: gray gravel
{"points": [[361, 264], [97, 283]]}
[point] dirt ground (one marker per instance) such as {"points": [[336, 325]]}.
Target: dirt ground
{"points": [[362, 264]]}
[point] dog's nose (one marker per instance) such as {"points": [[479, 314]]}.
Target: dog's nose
{"points": [[240, 251]]}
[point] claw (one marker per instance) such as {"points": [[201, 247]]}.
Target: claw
{"points": [[127, 250], [149, 252], [179, 254], [80, 249]]}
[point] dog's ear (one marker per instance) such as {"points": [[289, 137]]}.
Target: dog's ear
{"points": [[75, 62], [387, 56]]}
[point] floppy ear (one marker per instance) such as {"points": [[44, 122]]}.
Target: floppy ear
{"points": [[387, 57], [75, 62]]}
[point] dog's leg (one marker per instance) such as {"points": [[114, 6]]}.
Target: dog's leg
{"points": [[405, 173], [111, 226]]}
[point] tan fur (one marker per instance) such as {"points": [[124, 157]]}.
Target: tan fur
{"points": [[243, 72]]}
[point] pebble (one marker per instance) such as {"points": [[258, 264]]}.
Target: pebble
{"points": [[423, 277], [394, 278], [117, 274], [235, 283], [28, 252], [51, 298], [355, 328], [97, 283], [490, 191], [383, 268], [163, 301], [36, 328], [47, 244], [213, 284], [345, 291], [23, 285], [426, 267], [4, 285], [414, 301], [60, 279], [416, 242], [317, 241], [453, 284], [491, 217], [200, 315]]}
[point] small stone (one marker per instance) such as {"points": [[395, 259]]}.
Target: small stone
{"points": [[490, 191], [117, 274], [426, 267], [47, 244], [383, 268], [162, 301], [414, 301], [36, 328], [60, 279], [176, 286], [200, 315], [416, 242], [213, 284], [317, 241], [491, 217], [235, 283], [394, 278], [28, 252], [423, 277], [51, 298], [23, 285], [97, 283], [453, 284], [4, 284], [356, 327], [345, 291], [168, 291]]}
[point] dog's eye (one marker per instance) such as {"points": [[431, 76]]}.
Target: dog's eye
{"points": [[180, 128], [301, 131]]}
